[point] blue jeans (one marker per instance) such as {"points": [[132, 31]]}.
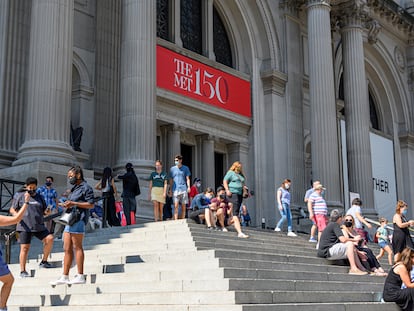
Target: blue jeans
{"points": [[285, 213]]}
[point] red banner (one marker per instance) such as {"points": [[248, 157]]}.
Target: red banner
{"points": [[191, 78]]}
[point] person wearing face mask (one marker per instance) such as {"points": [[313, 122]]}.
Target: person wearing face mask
{"points": [[179, 185], [158, 189], [355, 211], [401, 237], [32, 224], [283, 203], [200, 207], [50, 196], [81, 197], [366, 255], [194, 189], [224, 212]]}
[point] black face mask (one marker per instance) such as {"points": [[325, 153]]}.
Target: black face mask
{"points": [[348, 224], [48, 183], [31, 192], [72, 180], [222, 196]]}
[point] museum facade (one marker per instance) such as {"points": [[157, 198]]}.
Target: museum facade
{"points": [[298, 89]]}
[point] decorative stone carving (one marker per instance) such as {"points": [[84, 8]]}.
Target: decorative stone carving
{"points": [[374, 28], [399, 58]]}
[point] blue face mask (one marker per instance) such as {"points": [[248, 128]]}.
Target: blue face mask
{"points": [[405, 212], [176, 162]]}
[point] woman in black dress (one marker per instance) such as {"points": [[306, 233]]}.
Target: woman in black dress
{"points": [[401, 237], [400, 273]]}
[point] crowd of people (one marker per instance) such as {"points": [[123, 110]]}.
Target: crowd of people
{"points": [[339, 236]]}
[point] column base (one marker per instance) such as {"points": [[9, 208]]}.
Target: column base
{"points": [[57, 152], [6, 158]]}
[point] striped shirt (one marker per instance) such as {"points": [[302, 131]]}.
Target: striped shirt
{"points": [[318, 204]]}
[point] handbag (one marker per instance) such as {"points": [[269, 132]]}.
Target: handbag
{"points": [[69, 217]]}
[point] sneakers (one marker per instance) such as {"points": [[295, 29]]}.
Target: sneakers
{"points": [[277, 229], [291, 233], [24, 274], [78, 279], [45, 264], [64, 279], [242, 235], [224, 229], [313, 240]]}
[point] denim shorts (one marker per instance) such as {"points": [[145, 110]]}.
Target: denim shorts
{"points": [[4, 269], [77, 227], [382, 244]]}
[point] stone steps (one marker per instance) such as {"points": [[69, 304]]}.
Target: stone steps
{"points": [[179, 266]]}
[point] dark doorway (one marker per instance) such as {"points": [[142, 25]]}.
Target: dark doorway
{"points": [[218, 168], [187, 153]]}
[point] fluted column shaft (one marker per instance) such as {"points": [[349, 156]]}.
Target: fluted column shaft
{"points": [[325, 153], [174, 145], [137, 109], [4, 9], [49, 84], [208, 162], [357, 113]]}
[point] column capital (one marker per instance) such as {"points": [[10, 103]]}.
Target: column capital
{"points": [[351, 13], [320, 3]]}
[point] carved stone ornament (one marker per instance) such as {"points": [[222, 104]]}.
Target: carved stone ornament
{"points": [[399, 58], [374, 28]]}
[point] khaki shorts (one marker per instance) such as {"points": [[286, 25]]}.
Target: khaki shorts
{"points": [[337, 251], [157, 194]]}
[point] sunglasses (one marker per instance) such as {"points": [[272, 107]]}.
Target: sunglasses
{"points": [[349, 220]]}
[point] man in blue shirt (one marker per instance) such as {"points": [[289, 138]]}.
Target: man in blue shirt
{"points": [[50, 196], [179, 185]]}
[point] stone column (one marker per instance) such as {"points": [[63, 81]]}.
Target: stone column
{"points": [[173, 146], [324, 134], [207, 161], [356, 106], [207, 25], [47, 126], [175, 25], [4, 14], [137, 135]]}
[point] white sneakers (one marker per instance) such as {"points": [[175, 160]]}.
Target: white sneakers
{"points": [[78, 279], [277, 229], [64, 279], [291, 233]]}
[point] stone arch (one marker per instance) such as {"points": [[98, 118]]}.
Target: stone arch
{"points": [[243, 21]]}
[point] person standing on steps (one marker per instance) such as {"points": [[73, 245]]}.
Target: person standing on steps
{"points": [[32, 224], [283, 203], [158, 190], [80, 198], [130, 191], [179, 186], [312, 237], [108, 188], [318, 210], [6, 277], [50, 196]]}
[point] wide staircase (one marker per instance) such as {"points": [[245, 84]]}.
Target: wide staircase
{"points": [[177, 265]]}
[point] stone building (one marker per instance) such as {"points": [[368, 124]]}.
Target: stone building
{"points": [[299, 89]]}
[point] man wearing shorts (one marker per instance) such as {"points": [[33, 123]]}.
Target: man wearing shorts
{"points": [[179, 185], [318, 211], [31, 225], [333, 245], [308, 193]]}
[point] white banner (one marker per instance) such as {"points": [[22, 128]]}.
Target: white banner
{"points": [[383, 174]]}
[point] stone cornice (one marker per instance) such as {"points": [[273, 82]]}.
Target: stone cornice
{"points": [[274, 82], [393, 13]]}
